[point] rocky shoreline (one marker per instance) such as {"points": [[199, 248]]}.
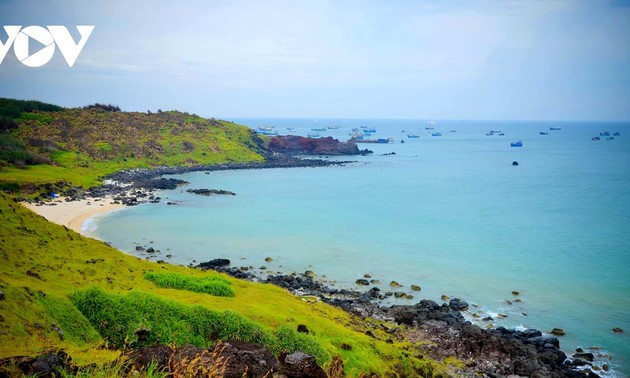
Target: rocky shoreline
{"points": [[487, 352], [134, 186], [496, 352]]}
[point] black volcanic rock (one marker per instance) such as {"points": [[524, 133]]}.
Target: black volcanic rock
{"points": [[213, 264]]}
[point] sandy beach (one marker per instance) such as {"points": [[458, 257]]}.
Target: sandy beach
{"points": [[73, 214]]}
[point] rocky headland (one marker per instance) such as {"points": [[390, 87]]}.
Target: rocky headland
{"points": [[292, 144]]}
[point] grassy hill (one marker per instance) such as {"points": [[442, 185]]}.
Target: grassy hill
{"points": [[45, 144], [100, 296], [61, 290]]}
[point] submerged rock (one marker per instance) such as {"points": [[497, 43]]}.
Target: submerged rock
{"points": [[557, 332], [210, 192]]}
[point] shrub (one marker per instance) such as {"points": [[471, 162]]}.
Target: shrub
{"points": [[216, 286]]}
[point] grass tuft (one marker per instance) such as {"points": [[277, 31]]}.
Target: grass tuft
{"points": [[212, 285], [140, 319], [290, 341]]}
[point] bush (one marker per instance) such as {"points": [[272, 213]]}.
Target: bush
{"points": [[216, 286]]}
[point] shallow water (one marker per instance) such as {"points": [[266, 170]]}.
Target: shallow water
{"points": [[450, 213]]}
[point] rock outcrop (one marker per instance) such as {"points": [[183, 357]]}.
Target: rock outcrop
{"points": [[292, 144]]}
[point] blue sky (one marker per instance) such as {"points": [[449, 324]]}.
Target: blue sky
{"points": [[520, 60]]}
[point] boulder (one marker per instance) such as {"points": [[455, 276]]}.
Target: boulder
{"points": [[246, 360], [300, 365], [557, 332], [213, 264], [362, 281], [457, 304]]}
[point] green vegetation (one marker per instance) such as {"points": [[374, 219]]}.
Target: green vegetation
{"points": [[44, 143], [64, 291], [99, 296], [12, 109], [212, 284], [140, 319]]}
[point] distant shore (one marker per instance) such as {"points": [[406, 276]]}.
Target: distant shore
{"points": [[72, 214]]}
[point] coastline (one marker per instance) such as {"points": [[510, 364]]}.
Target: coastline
{"points": [[442, 323], [73, 214]]}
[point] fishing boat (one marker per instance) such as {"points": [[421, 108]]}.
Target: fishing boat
{"points": [[267, 130], [605, 133], [333, 127], [595, 138], [413, 136], [319, 129], [384, 140], [544, 133], [617, 133], [518, 143], [553, 128], [437, 133]]}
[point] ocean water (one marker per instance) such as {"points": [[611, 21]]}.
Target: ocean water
{"points": [[449, 213]]}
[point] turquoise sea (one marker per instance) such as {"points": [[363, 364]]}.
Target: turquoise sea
{"points": [[449, 213]]}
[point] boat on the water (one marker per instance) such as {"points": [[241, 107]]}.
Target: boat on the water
{"points": [[544, 133], [617, 133], [267, 130], [595, 138], [313, 135], [554, 128], [518, 143], [413, 136], [605, 133], [437, 133], [319, 129], [333, 127]]}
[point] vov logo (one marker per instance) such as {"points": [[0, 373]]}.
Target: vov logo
{"points": [[54, 35]]}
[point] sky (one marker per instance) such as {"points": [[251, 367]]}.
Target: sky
{"points": [[424, 59]]}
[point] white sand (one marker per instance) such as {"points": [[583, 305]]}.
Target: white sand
{"points": [[73, 214]]}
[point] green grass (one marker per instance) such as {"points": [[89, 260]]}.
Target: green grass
{"points": [[211, 284], [84, 145], [69, 267], [289, 341], [120, 319]]}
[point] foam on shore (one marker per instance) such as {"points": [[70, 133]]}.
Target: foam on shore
{"points": [[76, 215]]}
